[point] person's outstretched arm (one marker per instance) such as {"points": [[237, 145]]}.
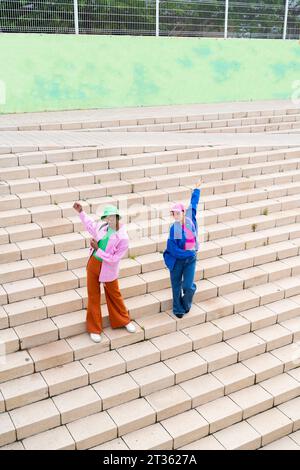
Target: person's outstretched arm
{"points": [[192, 209], [88, 222]]}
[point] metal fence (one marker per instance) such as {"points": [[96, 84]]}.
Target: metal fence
{"points": [[199, 18]]}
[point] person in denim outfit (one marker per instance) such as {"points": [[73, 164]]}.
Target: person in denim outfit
{"points": [[180, 255]]}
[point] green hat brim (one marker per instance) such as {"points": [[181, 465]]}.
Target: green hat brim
{"points": [[107, 215]]}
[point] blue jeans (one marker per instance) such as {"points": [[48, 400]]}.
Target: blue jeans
{"points": [[183, 286]]}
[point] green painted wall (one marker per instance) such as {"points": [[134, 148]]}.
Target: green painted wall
{"points": [[51, 72]]}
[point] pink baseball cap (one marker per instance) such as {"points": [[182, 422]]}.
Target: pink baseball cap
{"points": [[177, 207]]}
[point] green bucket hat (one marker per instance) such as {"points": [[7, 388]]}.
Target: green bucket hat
{"points": [[110, 210]]}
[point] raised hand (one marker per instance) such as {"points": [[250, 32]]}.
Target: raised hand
{"points": [[77, 207], [199, 182]]}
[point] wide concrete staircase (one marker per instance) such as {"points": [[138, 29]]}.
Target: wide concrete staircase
{"points": [[227, 375]]}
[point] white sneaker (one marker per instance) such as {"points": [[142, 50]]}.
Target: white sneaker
{"points": [[96, 337], [130, 327]]}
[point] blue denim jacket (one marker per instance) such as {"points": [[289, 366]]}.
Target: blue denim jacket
{"points": [[176, 241]]}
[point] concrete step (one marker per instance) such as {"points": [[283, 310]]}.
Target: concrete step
{"points": [[24, 191], [259, 128], [70, 266], [289, 442], [132, 204], [87, 185], [133, 166], [150, 220], [173, 349], [226, 273], [99, 170], [206, 336], [194, 125], [251, 434], [224, 376], [166, 118], [157, 229], [220, 411], [221, 421], [139, 216]]}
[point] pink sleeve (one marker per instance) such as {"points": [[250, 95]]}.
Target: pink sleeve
{"points": [[120, 252], [88, 223]]}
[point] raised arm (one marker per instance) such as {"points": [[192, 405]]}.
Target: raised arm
{"points": [[195, 198], [87, 221], [192, 209]]}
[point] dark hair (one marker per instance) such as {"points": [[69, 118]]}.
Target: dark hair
{"points": [[117, 223]]}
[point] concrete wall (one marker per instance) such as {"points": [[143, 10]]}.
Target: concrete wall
{"points": [[55, 72]]}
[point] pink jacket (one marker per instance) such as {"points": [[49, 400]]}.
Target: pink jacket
{"points": [[115, 250]]}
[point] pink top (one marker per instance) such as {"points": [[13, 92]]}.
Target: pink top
{"points": [[190, 239], [115, 250]]}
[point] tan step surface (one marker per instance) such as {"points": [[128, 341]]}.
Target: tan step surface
{"points": [[132, 416], [186, 427], [220, 413], [285, 443], [252, 400], [245, 311], [117, 390], [34, 418], [206, 443], [271, 425], [153, 437], [56, 439], [92, 430], [240, 436]]}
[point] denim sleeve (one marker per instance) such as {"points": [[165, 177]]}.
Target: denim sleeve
{"points": [[192, 209], [195, 198]]}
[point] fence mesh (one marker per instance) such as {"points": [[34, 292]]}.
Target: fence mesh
{"points": [[199, 18], [37, 16]]}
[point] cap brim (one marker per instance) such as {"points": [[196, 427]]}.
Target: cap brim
{"points": [[104, 216]]}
